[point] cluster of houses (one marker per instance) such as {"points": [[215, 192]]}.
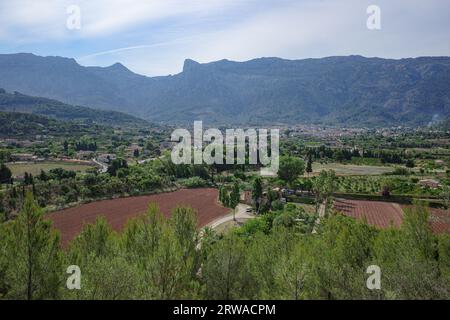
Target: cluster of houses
{"points": [[430, 183]]}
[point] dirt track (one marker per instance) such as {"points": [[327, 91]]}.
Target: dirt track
{"points": [[117, 211]]}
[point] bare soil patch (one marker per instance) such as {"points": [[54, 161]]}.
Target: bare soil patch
{"points": [[379, 214], [118, 211], [439, 219], [385, 214]]}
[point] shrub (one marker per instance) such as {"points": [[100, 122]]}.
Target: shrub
{"points": [[194, 182]]}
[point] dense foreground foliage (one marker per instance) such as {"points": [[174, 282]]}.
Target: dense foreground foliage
{"points": [[156, 258]]}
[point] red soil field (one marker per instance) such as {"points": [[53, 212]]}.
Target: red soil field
{"points": [[385, 214], [439, 219], [118, 211], [379, 214]]}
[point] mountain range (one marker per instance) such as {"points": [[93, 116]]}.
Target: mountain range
{"points": [[350, 90]]}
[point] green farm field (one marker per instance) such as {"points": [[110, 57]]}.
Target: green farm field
{"points": [[19, 169], [351, 169]]}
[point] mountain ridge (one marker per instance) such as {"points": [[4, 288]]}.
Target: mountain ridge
{"points": [[340, 90]]}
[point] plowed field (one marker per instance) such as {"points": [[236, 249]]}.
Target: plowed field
{"points": [[117, 211], [384, 214], [379, 214]]}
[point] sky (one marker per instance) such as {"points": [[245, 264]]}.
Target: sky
{"points": [[154, 37]]}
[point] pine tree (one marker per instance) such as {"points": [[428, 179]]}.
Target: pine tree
{"points": [[221, 189], [43, 176], [257, 193], [225, 273], [234, 199], [5, 174], [14, 193], [309, 164], [34, 267], [224, 196]]}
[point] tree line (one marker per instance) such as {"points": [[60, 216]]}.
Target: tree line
{"points": [[272, 257]]}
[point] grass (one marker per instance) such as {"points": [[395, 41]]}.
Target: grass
{"points": [[309, 209], [227, 226], [399, 185], [351, 169], [366, 161], [19, 169]]}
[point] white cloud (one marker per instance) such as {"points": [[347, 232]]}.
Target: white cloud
{"points": [[155, 36], [324, 28], [289, 29], [46, 18], [24, 20]]}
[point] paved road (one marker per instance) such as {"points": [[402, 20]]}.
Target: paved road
{"points": [[103, 166], [147, 160], [241, 213]]}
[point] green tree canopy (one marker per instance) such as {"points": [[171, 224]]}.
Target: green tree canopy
{"points": [[290, 169]]}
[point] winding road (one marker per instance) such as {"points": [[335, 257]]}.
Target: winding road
{"points": [[241, 214]]}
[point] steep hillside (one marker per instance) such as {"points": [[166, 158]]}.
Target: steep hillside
{"points": [[17, 102], [22, 125], [337, 90]]}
